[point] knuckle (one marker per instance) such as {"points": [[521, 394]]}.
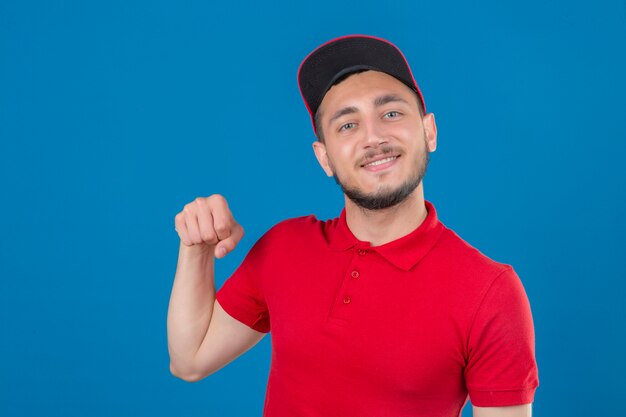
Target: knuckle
{"points": [[208, 236], [218, 198], [222, 228]]}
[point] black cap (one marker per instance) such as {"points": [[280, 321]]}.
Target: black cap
{"points": [[345, 55]]}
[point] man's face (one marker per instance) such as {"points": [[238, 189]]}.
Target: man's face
{"points": [[376, 144]]}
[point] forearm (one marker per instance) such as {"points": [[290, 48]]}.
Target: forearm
{"points": [[524, 410], [191, 306]]}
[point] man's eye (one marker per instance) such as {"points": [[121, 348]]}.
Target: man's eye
{"points": [[392, 114], [346, 126]]}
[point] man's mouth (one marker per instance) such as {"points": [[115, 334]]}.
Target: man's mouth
{"points": [[380, 163]]}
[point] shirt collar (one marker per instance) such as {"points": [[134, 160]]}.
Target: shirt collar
{"points": [[404, 252]]}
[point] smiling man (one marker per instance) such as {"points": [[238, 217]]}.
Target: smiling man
{"points": [[382, 311]]}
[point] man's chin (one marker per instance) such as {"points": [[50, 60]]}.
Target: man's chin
{"points": [[380, 200], [384, 196]]}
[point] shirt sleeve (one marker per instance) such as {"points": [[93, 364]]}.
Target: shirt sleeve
{"points": [[501, 367], [242, 295]]}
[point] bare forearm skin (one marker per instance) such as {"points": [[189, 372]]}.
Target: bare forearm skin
{"points": [[191, 307]]}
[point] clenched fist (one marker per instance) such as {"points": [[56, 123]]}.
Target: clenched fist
{"points": [[208, 221]]}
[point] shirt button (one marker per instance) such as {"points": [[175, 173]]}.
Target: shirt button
{"points": [[346, 300], [355, 274], [362, 252]]}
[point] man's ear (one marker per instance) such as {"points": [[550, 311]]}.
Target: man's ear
{"points": [[320, 153], [430, 127]]}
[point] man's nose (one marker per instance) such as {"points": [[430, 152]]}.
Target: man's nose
{"points": [[374, 133]]}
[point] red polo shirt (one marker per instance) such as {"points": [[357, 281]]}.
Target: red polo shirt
{"points": [[408, 328]]}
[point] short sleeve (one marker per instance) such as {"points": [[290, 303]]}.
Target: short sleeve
{"points": [[501, 367], [242, 295]]}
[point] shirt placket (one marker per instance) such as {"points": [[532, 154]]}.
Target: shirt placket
{"points": [[348, 301]]}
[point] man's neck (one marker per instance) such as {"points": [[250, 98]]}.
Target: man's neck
{"points": [[382, 226]]}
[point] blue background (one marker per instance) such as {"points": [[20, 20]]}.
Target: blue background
{"points": [[113, 115]]}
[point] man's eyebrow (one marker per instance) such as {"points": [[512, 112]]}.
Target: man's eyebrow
{"points": [[388, 98], [379, 101], [342, 112]]}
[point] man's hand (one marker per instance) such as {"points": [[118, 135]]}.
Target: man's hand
{"points": [[207, 222]]}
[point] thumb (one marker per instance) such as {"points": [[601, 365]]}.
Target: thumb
{"points": [[220, 251], [227, 245]]}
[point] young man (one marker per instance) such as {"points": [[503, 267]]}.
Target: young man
{"points": [[382, 311]]}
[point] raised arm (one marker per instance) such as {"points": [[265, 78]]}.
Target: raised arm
{"points": [[202, 337]]}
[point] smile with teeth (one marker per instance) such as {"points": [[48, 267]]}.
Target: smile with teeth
{"points": [[381, 161]]}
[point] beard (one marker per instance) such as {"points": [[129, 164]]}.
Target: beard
{"points": [[385, 196]]}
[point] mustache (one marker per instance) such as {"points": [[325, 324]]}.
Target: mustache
{"points": [[384, 150]]}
